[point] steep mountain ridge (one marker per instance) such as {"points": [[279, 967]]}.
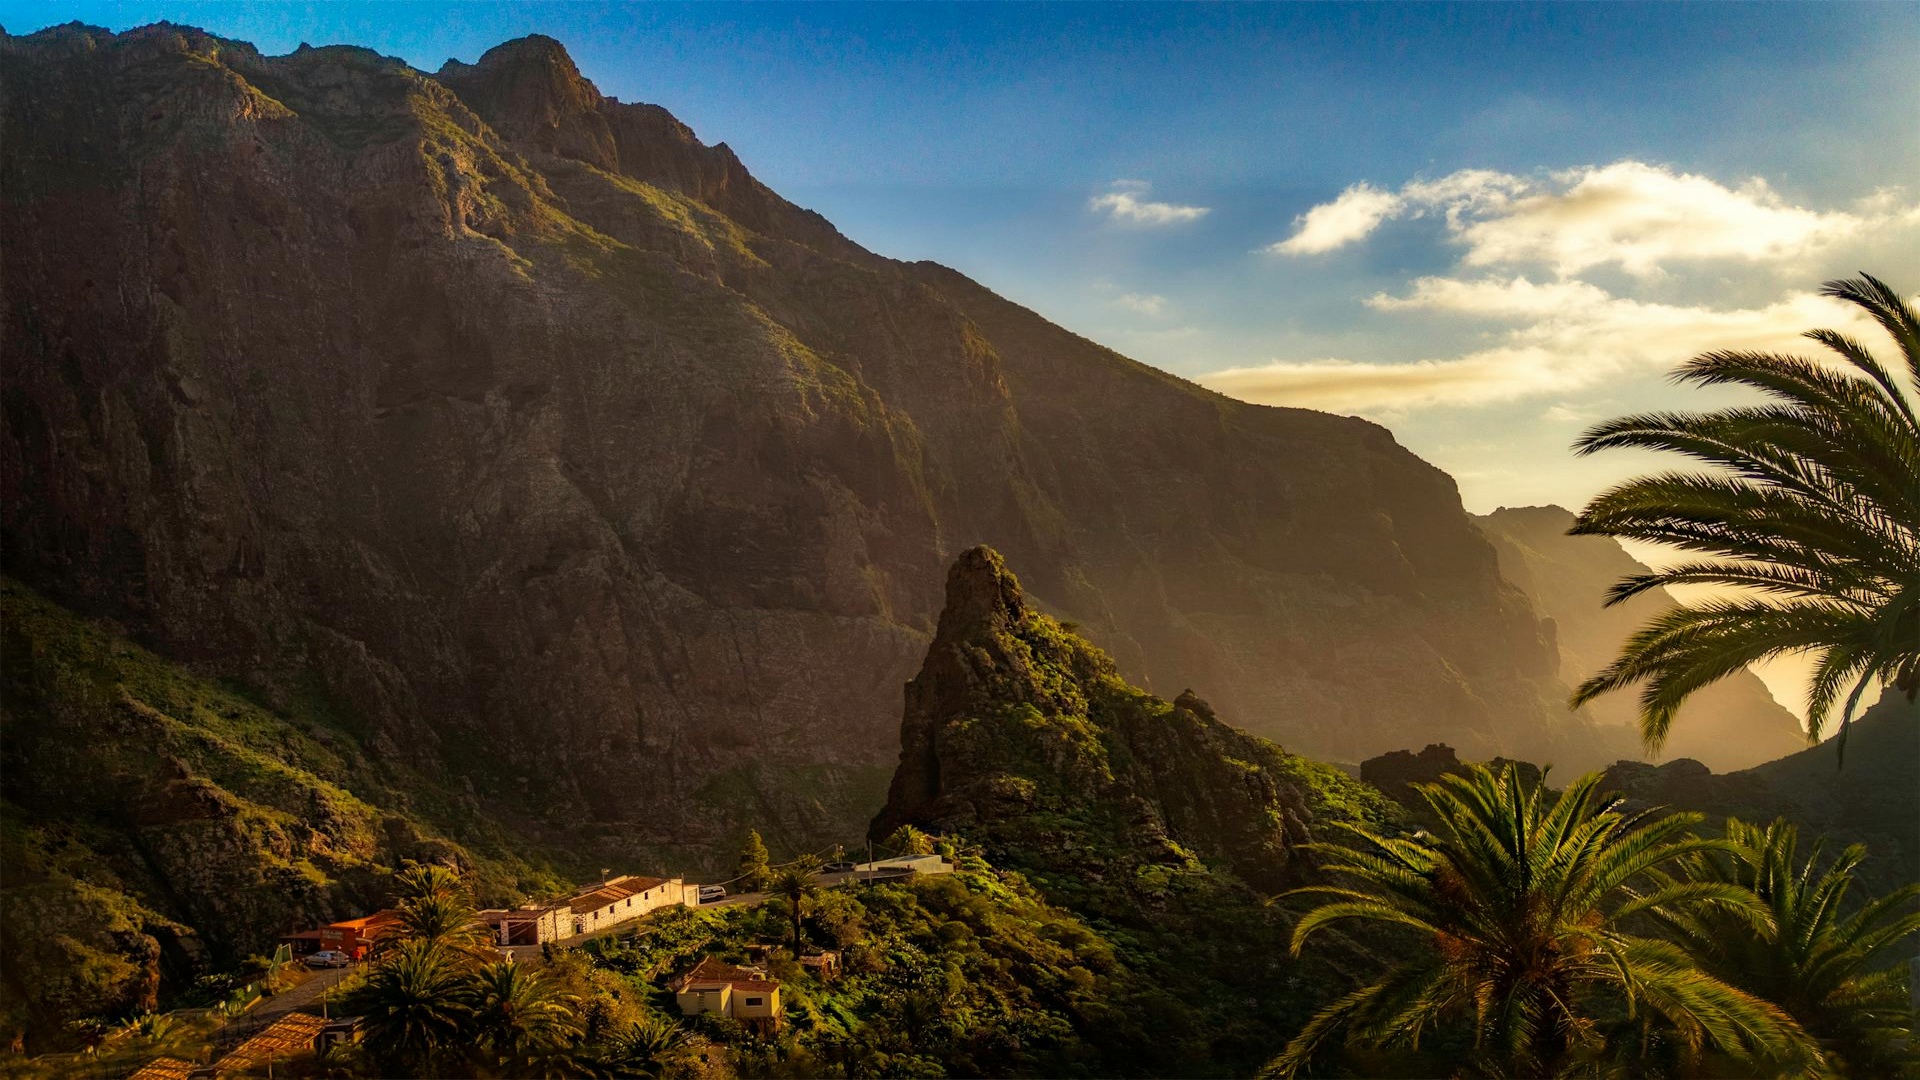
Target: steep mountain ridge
{"points": [[517, 423], [1732, 724]]}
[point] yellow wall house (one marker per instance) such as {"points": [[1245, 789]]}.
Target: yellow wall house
{"points": [[744, 994]]}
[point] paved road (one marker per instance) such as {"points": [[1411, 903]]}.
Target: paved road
{"points": [[302, 998]]}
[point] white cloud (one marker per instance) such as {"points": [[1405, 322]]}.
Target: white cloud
{"points": [[1350, 218], [1629, 214], [1575, 335], [1517, 297], [1147, 304], [1640, 216], [1126, 200]]}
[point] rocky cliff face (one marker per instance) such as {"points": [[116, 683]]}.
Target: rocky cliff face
{"points": [[542, 439], [1732, 724]]}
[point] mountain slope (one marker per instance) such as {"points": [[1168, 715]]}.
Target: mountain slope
{"points": [[154, 826], [543, 439], [1732, 724]]}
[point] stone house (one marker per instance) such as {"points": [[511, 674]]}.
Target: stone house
{"points": [[612, 902], [534, 924]]}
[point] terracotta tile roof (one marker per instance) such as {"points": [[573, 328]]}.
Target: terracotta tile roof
{"points": [[166, 1068], [285, 1037], [635, 884], [713, 972], [496, 916], [594, 900], [367, 922]]}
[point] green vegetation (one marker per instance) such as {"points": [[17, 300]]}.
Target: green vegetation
{"points": [[971, 973], [752, 871], [207, 824], [1523, 899], [1802, 945], [1814, 505]]}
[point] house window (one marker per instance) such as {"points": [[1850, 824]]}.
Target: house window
{"points": [[752, 1002], [629, 901]]}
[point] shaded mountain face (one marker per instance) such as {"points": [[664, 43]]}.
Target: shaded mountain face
{"points": [[519, 424], [1731, 724]]}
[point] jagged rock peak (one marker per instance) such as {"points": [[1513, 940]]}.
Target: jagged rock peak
{"points": [[981, 593], [530, 89], [532, 50], [1015, 719]]}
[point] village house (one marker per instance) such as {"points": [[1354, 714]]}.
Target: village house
{"points": [[744, 994], [612, 902], [822, 965], [355, 937], [535, 924], [905, 864]]}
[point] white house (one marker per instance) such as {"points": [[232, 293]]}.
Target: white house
{"points": [[611, 902]]}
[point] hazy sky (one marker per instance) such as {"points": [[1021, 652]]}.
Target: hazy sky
{"points": [[1486, 225]]}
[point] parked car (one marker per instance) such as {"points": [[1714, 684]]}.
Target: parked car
{"points": [[328, 958], [837, 868], [710, 893]]}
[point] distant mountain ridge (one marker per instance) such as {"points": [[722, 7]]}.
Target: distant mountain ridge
{"points": [[1731, 724], [569, 459]]}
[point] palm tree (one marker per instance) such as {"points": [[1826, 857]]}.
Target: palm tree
{"points": [[907, 840], [520, 1018], [1797, 946], [435, 907], [416, 1006], [444, 920], [1812, 511], [647, 1048], [429, 879], [795, 881], [1520, 898]]}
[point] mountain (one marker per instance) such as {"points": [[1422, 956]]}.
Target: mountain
{"points": [[1024, 737], [1731, 724], [574, 463], [1154, 821], [1865, 791]]}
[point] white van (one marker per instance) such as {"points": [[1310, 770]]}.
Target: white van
{"points": [[710, 893]]}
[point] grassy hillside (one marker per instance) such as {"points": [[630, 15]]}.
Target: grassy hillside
{"points": [[155, 825]]}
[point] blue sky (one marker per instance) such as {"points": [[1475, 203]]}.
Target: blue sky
{"points": [[1486, 226]]}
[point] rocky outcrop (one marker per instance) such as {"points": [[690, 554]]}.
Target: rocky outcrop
{"points": [[570, 461], [1398, 773], [1020, 735], [1731, 724]]}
